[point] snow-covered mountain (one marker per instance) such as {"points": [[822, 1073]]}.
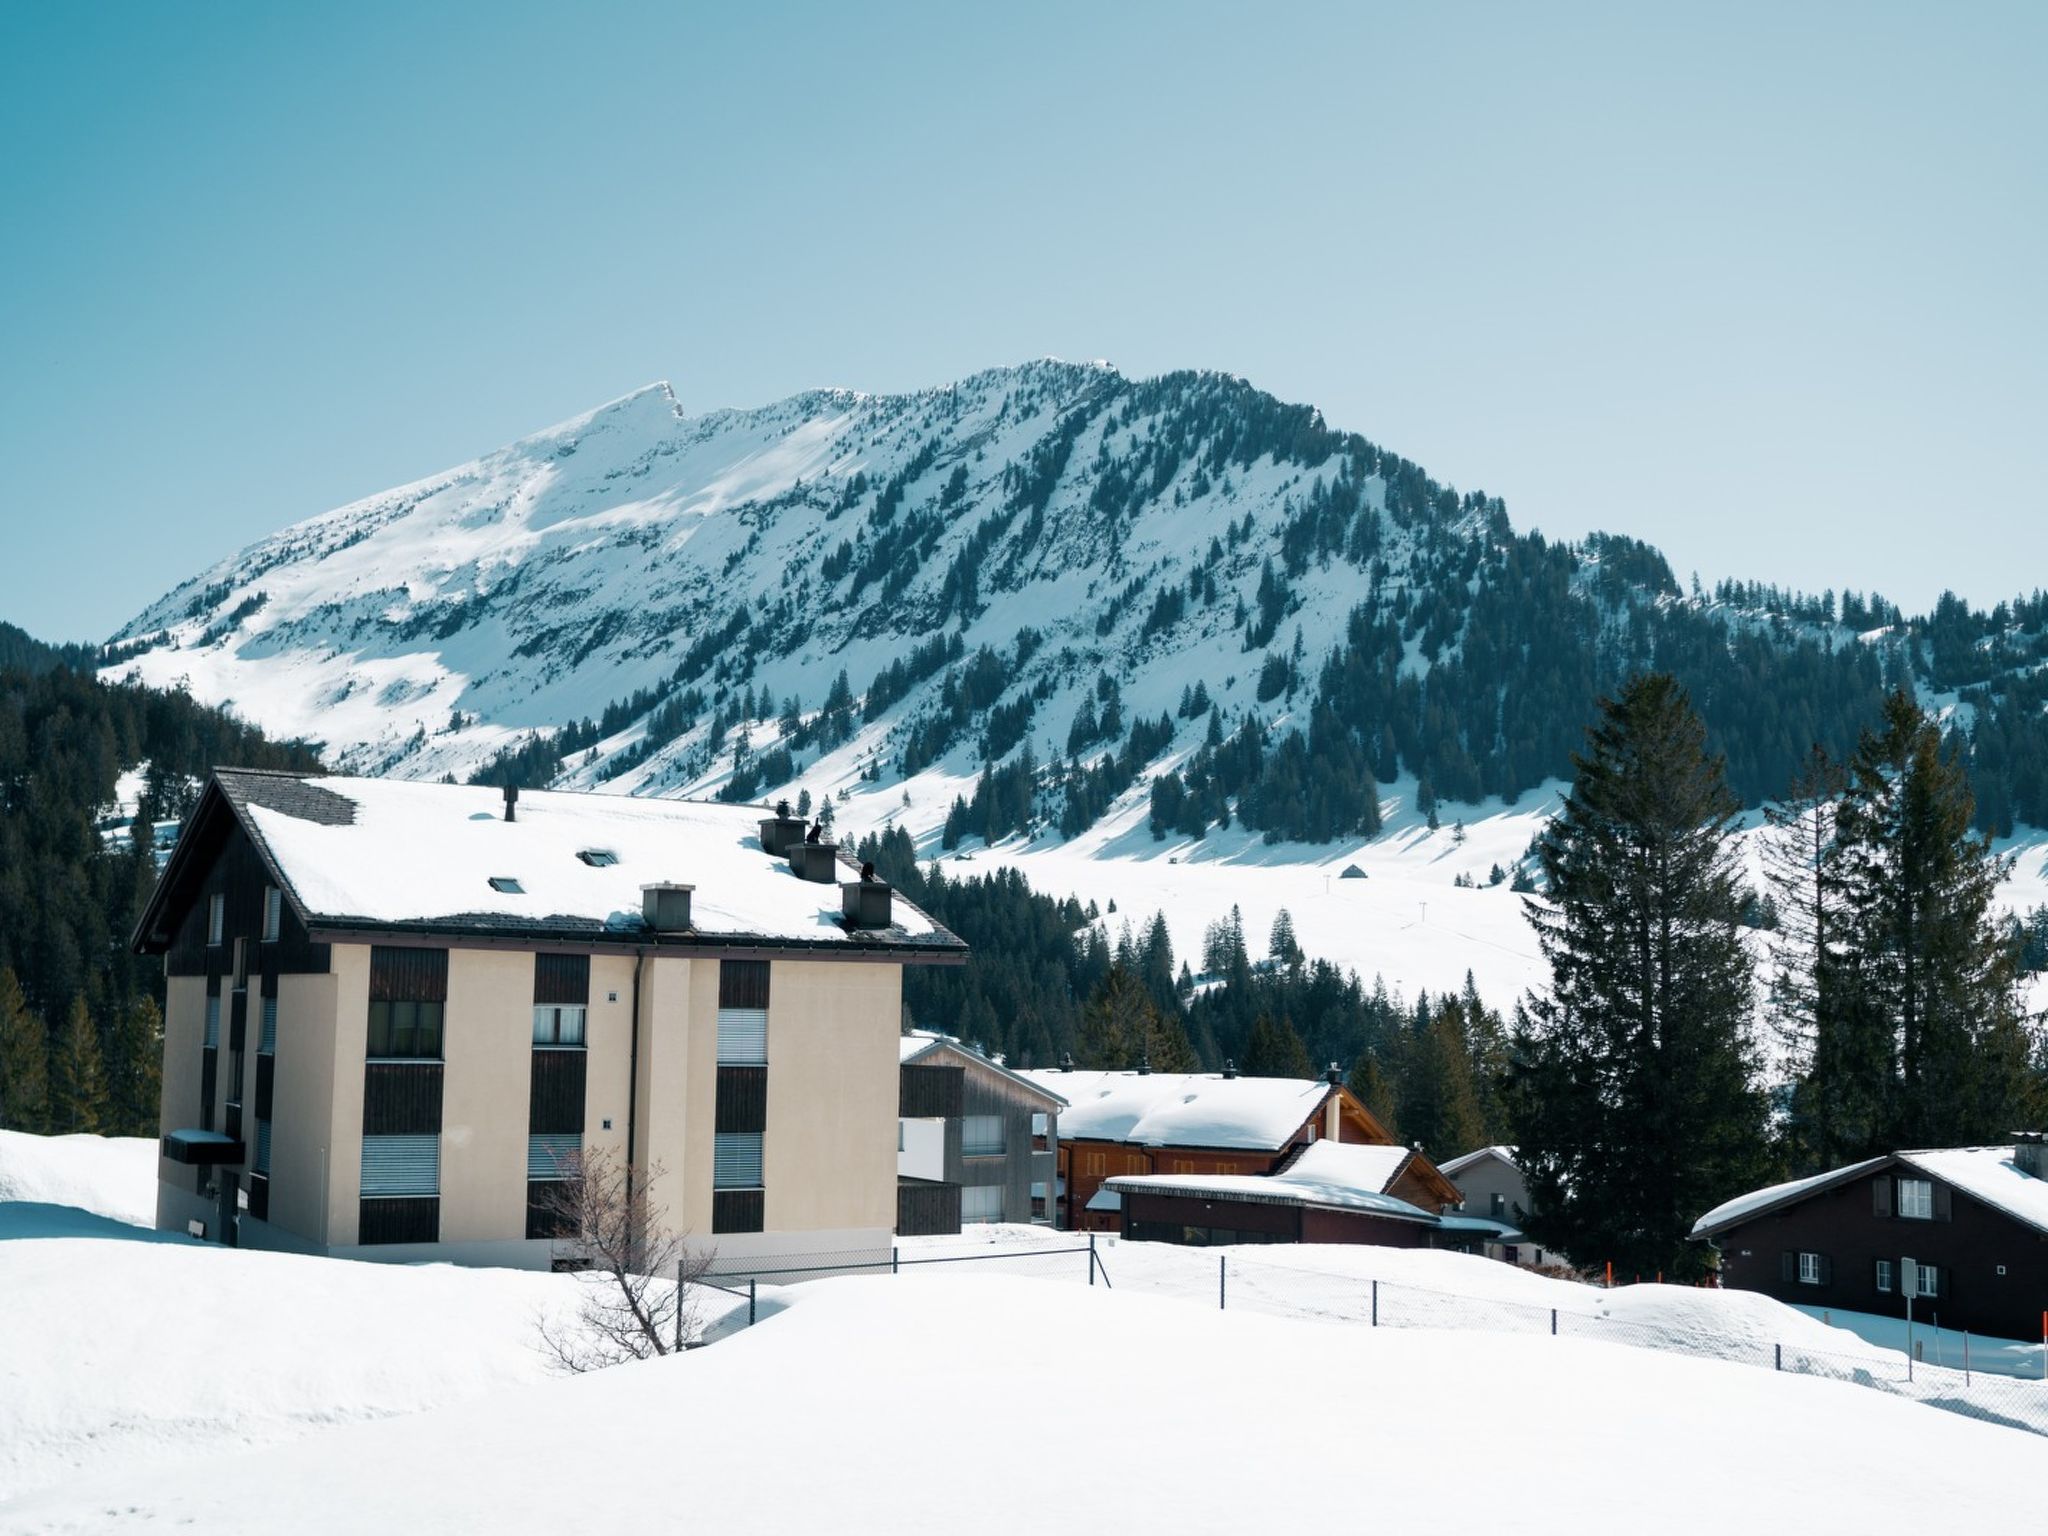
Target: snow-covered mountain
{"points": [[883, 598]]}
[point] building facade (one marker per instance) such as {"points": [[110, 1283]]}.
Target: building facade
{"points": [[394, 1010], [1495, 1192], [977, 1142], [1973, 1219]]}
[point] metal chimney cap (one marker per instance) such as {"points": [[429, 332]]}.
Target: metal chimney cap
{"points": [[667, 885]]}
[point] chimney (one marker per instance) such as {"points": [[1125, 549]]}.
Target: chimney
{"points": [[781, 831], [817, 861], [1067, 1061], [1229, 1069], [2030, 1153], [1334, 1076], [511, 801], [1145, 1063], [666, 906], [865, 902]]}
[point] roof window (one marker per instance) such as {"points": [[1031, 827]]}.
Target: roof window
{"points": [[598, 858], [506, 885]]}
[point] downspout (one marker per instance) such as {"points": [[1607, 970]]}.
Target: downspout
{"points": [[633, 1075]]}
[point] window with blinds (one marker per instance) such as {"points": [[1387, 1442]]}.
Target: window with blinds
{"points": [[401, 1165], [743, 1037], [267, 1041], [736, 1160], [981, 1202], [273, 913], [263, 1146], [557, 1025], [213, 1021], [549, 1155], [981, 1135]]}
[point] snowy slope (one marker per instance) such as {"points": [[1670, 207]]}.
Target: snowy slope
{"points": [[107, 1176], [1587, 1436]]}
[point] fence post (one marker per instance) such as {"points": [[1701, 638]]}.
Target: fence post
{"points": [[1966, 1357], [1222, 1284], [1091, 1258], [894, 1267], [1375, 1303], [679, 1305], [751, 1283], [1553, 1322], [1777, 1357]]}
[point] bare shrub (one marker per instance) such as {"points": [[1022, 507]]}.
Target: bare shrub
{"points": [[639, 1295]]}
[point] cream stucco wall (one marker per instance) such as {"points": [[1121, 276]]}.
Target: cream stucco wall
{"points": [[302, 1128], [178, 1103], [487, 1044], [610, 1043], [350, 972], [667, 1081]]}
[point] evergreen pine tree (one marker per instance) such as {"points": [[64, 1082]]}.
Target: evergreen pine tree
{"points": [[1274, 1049], [1283, 946], [1633, 1098], [79, 1089], [1439, 1096], [1372, 1087], [24, 1061], [135, 1055]]}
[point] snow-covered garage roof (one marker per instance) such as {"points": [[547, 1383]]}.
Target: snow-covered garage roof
{"points": [[1336, 1175], [1183, 1109], [359, 853]]}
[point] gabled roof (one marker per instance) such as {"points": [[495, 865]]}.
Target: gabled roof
{"points": [[1328, 1174], [1458, 1165], [396, 856], [1184, 1109], [1986, 1174], [917, 1045]]}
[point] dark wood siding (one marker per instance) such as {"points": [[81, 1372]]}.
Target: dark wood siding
{"points": [[542, 1220], [259, 1196], [401, 1098], [743, 983], [930, 1092], [209, 1086], [402, 974], [266, 1083], [400, 1219], [737, 1210], [238, 875], [925, 1209], [742, 1103], [563, 980], [1969, 1242], [1203, 1223], [556, 1104], [238, 1022]]}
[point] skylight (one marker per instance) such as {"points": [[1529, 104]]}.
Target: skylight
{"points": [[506, 885], [598, 858]]}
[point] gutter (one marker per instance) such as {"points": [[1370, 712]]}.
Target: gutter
{"points": [[633, 1077]]}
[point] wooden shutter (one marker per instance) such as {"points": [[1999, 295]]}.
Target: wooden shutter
{"points": [[562, 980], [400, 974], [1788, 1268], [1881, 1195], [1827, 1270], [743, 983], [1943, 1207]]}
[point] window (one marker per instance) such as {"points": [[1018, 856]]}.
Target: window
{"points": [[1884, 1276], [743, 1037], [561, 1025], [598, 858], [1038, 1202], [981, 1136], [548, 1154], [1040, 1123], [407, 1029], [1812, 1269], [273, 913], [262, 1146], [401, 1165], [506, 885], [216, 917], [213, 1021], [1916, 1199], [736, 1160], [981, 1202], [267, 1041], [241, 965], [1929, 1281], [1499, 1204]]}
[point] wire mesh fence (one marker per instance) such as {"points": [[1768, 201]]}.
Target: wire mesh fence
{"points": [[1941, 1378]]}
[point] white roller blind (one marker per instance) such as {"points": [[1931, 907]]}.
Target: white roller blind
{"points": [[269, 1039], [213, 1020], [401, 1165], [743, 1037], [736, 1160], [547, 1154], [981, 1135], [981, 1202], [263, 1146]]}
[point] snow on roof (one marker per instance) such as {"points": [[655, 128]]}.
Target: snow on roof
{"points": [[1757, 1199], [1458, 1164], [392, 851], [1340, 1175], [1988, 1174], [1183, 1109]]}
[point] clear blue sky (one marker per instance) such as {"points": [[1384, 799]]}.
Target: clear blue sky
{"points": [[1762, 284]]}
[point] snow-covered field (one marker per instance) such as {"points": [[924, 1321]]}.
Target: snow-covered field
{"points": [[148, 1380]]}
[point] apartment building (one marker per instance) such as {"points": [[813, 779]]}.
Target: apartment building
{"points": [[394, 1008]]}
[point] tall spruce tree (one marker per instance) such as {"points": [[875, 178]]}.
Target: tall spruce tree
{"points": [[1923, 1040], [1634, 1096], [1122, 1028], [79, 1087], [1371, 1086], [24, 1060], [1274, 1049], [1439, 1097], [135, 1055]]}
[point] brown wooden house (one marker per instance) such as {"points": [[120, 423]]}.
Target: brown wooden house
{"points": [[1204, 1123]]}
